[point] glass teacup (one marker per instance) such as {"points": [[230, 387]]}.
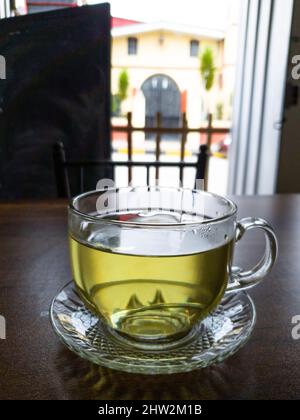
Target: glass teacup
{"points": [[152, 261]]}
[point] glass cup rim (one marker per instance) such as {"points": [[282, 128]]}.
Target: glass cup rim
{"points": [[231, 212]]}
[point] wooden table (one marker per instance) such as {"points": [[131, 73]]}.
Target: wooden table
{"points": [[35, 365]]}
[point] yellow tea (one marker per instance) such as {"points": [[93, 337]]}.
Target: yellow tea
{"points": [[150, 296]]}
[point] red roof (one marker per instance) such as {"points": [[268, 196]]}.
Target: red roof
{"points": [[117, 22]]}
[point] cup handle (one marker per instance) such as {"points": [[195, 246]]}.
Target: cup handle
{"points": [[241, 279]]}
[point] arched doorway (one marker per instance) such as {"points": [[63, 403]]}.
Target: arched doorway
{"points": [[161, 95]]}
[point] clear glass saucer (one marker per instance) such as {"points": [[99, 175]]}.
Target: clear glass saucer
{"points": [[219, 336]]}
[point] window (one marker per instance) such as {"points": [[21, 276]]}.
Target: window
{"points": [[132, 46], [194, 48]]}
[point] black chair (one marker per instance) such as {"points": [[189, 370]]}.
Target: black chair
{"points": [[63, 166], [57, 89]]}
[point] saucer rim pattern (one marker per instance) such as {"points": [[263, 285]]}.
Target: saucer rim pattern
{"points": [[202, 350]]}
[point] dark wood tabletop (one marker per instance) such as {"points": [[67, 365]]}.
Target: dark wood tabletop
{"points": [[34, 364]]}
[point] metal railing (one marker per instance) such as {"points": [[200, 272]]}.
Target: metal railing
{"points": [[62, 167], [159, 130]]}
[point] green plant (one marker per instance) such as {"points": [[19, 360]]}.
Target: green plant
{"points": [[207, 68], [219, 111], [123, 85], [115, 105]]}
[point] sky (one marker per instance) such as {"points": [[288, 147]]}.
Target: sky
{"points": [[205, 13]]}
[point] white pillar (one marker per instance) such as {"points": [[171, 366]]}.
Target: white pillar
{"points": [[259, 96]]}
